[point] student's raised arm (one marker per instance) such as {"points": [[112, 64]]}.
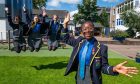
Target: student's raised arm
{"points": [[28, 19], [65, 36], [9, 17]]}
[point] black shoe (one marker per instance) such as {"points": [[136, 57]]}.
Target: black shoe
{"points": [[49, 48], [24, 48], [18, 49], [37, 49], [54, 48], [12, 49], [31, 49]]}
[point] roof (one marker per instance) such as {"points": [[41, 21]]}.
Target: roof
{"points": [[123, 2], [98, 25], [50, 13], [100, 10]]}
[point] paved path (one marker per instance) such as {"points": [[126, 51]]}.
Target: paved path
{"points": [[126, 50], [110, 39]]}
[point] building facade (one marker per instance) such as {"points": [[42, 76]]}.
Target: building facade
{"points": [[15, 8], [119, 9], [112, 18]]}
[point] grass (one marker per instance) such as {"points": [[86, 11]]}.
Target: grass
{"points": [[59, 52], [22, 70], [42, 53], [50, 70], [47, 67]]}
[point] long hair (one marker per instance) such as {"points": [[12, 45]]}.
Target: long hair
{"points": [[17, 17]]}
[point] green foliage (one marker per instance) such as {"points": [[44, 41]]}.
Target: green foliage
{"points": [[119, 33], [37, 3], [104, 18], [130, 32], [131, 19], [86, 11], [76, 18]]}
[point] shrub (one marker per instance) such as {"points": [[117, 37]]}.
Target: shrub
{"points": [[130, 32], [119, 34]]}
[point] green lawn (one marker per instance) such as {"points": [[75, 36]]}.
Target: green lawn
{"points": [[42, 53], [45, 53], [50, 70], [47, 67]]}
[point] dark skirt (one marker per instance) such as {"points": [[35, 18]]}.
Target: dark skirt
{"points": [[34, 42], [53, 43], [87, 79]]}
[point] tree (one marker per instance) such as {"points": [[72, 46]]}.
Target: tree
{"points": [[131, 20], [104, 18], [37, 3], [87, 11]]}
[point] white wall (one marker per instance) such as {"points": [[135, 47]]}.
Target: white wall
{"points": [[71, 27], [119, 27], [2, 29], [137, 8], [122, 27]]}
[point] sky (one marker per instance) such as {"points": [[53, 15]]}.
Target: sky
{"points": [[71, 5]]}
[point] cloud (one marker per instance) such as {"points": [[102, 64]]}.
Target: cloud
{"points": [[110, 0], [56, 3], [72, 13], [53, 3], [70, 1]]}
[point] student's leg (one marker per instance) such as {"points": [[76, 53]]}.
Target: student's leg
{"points": [[24, 48], [54, 45], [38, 44], [17, 47], [30, 44], [49, 42], [23, 44]]}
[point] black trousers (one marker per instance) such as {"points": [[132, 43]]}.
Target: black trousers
{"points": [[19, 44]]}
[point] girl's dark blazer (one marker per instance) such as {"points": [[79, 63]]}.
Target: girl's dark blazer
{"points": [[98, 60]]}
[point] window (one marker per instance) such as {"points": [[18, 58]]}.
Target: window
{"points": [[123, 8], [122, 22], [131, 5], [136, 3], [118, 10], [114, 12], [117, 22]]}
